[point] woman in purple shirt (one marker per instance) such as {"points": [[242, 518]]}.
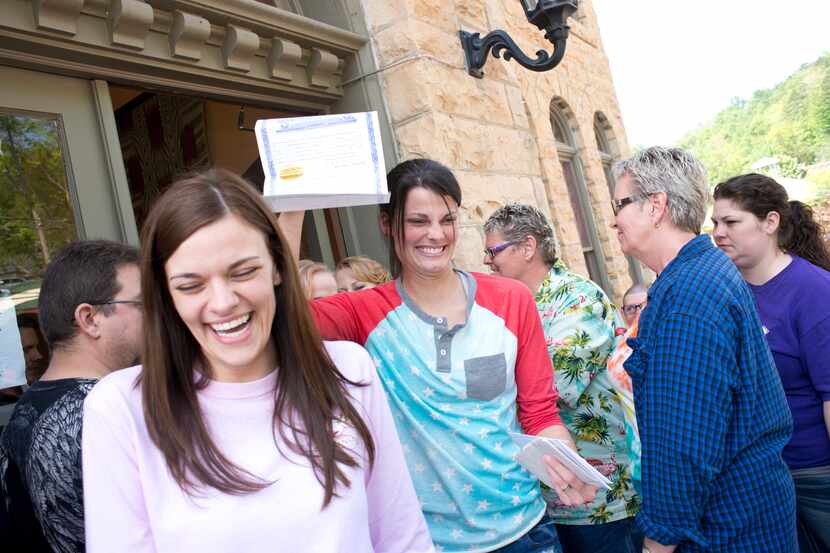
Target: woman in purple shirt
{"points": [[778, 248]]}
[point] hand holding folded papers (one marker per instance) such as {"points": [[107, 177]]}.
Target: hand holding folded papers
{"points": [[559, 467]]}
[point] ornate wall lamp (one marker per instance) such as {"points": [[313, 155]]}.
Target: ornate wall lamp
{"points": [[548, 15]]}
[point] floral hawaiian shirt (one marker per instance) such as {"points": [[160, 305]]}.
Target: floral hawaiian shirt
{"points": [[580, 325]]}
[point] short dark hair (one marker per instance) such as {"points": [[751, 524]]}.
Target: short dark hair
{"points": [[84, 271], [414, 173]]}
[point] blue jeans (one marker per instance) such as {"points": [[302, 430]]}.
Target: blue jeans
{"points": [[540, 539], [812, 505], [620, 536]]}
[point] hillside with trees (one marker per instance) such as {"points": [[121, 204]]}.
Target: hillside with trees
{"points": [[790, 122]]}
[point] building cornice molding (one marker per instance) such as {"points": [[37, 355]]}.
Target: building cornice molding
{"points": [[58, 15], [269, 21], [255, 49]]}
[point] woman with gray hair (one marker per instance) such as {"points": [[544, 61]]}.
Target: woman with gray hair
{"points": [[580, 326], [711, 412]]}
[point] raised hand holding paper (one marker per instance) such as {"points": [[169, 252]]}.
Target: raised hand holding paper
{"points": [[322, 161], [534, 449]]}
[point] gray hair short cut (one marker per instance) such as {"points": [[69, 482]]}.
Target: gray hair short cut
{"points": [[518, 221], [677, 173]]}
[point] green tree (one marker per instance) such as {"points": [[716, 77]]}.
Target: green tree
{"points": [[35, 213], [790, 121]]}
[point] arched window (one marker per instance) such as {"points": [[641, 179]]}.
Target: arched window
{"points": [[566, 146], [608, 154]]}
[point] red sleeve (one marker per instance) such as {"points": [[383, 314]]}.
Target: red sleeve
{"points": [[352, 316], [336, 318], [536, 394]]}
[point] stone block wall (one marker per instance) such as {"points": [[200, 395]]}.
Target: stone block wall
{"points": [[495, 133]]}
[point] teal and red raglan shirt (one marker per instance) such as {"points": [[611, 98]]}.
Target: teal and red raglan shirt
{"points": [[455, 393]]}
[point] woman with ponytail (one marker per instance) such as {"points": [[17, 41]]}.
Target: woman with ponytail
{"points": [[777, 246]]}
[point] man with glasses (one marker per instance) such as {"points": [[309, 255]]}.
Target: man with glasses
{"points": [[634, 301], [91, 317]]}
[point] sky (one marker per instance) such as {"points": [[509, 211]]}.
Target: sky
{"points": [[677, 63]]}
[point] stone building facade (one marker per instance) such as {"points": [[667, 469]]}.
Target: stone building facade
{"points": [[514, 135]]}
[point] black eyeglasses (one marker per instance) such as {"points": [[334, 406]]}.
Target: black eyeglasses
{"points": [[617, 205], [631, 309], [137, 303], [494, 251]]}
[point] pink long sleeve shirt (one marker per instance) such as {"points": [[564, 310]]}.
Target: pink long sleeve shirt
{"points": [[132, 504]]}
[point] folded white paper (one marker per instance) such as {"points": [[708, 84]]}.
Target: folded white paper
{"points": [[534, 448], [12, 362], [322, 161]]}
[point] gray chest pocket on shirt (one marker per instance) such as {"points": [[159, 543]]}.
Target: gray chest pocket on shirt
{"points": [[486, 376]]}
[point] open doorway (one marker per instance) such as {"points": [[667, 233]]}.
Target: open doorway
{"points": [[163, 136]]}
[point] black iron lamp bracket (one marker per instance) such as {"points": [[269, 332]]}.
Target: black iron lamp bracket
{"points": [[549, 16]]}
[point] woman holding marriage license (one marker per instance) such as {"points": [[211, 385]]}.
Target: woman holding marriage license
{"points": [[779, 249], [463, 360], [243, 431]]}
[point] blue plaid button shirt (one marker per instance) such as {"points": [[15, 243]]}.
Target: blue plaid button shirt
{"points": [[712, 414]]}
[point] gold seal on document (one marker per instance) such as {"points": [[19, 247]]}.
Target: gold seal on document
{"points": [[291, 172]]}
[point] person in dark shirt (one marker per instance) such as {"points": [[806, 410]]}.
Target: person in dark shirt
{"points": [[91, 315], [711, 410], [777, 246]]}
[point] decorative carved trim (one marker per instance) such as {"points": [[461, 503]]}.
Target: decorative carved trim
{"points": [[239, 48], [58, 15], [268, 21], [129, 41], [188, 34], [284, 56], [129, 23], [322, 68]]}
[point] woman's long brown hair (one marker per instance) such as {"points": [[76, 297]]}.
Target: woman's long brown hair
{"points": [[310, 392]]}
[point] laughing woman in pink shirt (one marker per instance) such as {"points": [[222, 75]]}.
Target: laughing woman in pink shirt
{"points": [[243, 430]]}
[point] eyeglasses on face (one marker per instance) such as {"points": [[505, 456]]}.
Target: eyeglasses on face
{"points": [[632, 309], [136, 303], [494, 251], [617, 205]]}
